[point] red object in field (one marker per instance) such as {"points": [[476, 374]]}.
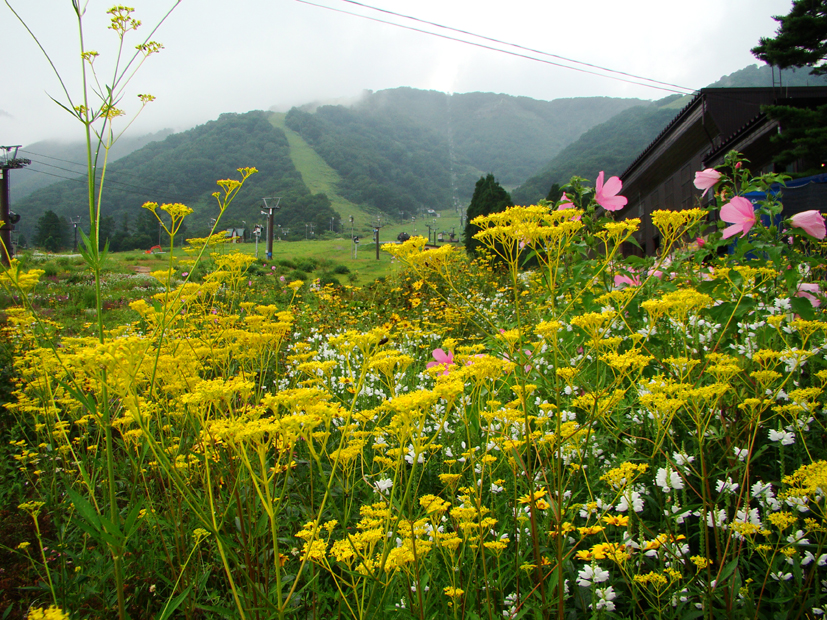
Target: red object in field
{"points": [[153, 249]]}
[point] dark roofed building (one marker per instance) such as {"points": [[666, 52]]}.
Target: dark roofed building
{"points": [[716, 121]]}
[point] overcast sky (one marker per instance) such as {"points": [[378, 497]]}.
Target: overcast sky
{"points": [[245, 55]]}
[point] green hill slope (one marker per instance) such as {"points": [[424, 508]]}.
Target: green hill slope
{"points": [[402, 151], [610, 147], [762, 75], [53, 161], [184, 168]]}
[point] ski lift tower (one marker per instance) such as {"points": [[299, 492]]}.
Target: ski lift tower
{"points": [[9, 161], [269, 208]]}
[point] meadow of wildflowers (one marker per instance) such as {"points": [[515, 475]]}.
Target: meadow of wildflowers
{"points": [[550, 430]]}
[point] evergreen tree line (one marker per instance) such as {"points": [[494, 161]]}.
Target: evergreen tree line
{"points": [[55, 233]]}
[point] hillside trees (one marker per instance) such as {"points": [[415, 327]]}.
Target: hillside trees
{"points": [[184, 168], [387, 164], [489, 197], [610, 146]]}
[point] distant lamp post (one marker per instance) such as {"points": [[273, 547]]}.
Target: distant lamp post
{"points": [[75, 222], [257, 235]]}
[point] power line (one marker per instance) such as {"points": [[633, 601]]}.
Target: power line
{"points": [[670, 89], [517, 46], [65, 161], [111, 171], [118, 185]]}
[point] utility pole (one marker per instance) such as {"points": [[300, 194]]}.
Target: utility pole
{"points": [[10, 161], [268, 210]]}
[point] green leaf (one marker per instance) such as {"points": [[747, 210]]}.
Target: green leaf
{"points": [[172, 605], [131, 523], [84, 508], [722, 312], [802, 307], [728, 570]]}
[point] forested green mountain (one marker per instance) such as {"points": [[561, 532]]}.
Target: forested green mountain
{"points": [[514, 136], [384, 162], [403, 149], [399, 152], [53, 161], [184, 168], [611, 146]]}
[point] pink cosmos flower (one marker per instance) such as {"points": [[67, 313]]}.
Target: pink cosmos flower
{"points": [[700, 241], [740, 213], [442, 359], [606, 195], [805, 290], [706, 179], [811, 222]]}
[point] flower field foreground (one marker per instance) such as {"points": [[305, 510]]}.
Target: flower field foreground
{"points": [[553, 430]]}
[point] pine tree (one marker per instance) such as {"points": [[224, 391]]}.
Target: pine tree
{"points": [[489, 197], [51, 232], [801, 39]]}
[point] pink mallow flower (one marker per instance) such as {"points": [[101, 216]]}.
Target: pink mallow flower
{"points": [[566, 203], [706, 179], [805, 290], [740, 213], [606, 195], [811, 222], [621, 279], [442, 359]]}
